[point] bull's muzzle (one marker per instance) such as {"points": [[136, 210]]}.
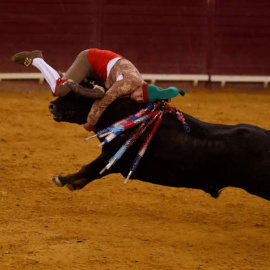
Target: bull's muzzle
{"points": [[52, 110]]}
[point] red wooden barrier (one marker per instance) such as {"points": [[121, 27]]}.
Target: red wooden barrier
{"points": [[173, 36]]}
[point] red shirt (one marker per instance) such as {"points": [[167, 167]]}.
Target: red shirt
{"points": [[99, 60]]}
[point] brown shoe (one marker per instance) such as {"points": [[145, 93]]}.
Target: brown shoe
{"points": [[26, 58]]}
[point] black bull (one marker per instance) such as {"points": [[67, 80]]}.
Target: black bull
{"points": [[210, 157]]}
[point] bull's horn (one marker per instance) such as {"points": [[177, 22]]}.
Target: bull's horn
{"points": [[96, 92]]}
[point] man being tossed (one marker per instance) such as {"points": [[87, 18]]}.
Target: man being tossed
{"points": [[121, 78]]}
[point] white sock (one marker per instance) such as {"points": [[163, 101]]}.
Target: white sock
{"points": [[50, 74]]}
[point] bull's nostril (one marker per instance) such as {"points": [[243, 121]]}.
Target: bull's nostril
{"points": [[51, 107]]}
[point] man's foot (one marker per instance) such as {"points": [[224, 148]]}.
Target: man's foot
{"points": [[26, 57]]}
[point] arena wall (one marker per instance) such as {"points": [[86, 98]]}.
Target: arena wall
{"points": [[162, 37]]}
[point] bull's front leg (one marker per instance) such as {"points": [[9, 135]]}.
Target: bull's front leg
{"points": [[85, 175]]}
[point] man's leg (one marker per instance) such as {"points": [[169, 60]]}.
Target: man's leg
{"points": [[35, 58], [79, 70], [50, 74]]}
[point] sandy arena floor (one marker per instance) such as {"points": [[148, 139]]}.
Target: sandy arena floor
{"points": [[109, 225]]}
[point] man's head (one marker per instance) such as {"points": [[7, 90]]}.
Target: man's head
{"points": [[151, 93]]}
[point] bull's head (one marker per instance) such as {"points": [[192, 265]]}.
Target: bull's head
{"points": [[74, 108], [71, 108]]}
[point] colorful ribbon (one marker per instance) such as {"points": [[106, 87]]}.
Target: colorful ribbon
{"points": [[151, 115]]}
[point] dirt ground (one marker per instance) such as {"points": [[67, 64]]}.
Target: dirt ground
{"points": [[109, 225]]}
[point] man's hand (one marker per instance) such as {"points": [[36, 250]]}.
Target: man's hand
{"points": [[89, 127]]}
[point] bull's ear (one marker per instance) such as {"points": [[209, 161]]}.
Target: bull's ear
{"points": [[96, 92]]}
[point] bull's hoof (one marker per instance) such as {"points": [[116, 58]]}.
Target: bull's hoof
{"points": [[56, 180]]}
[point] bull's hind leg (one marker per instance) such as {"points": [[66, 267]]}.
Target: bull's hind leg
{"points": [[84, 176]]}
